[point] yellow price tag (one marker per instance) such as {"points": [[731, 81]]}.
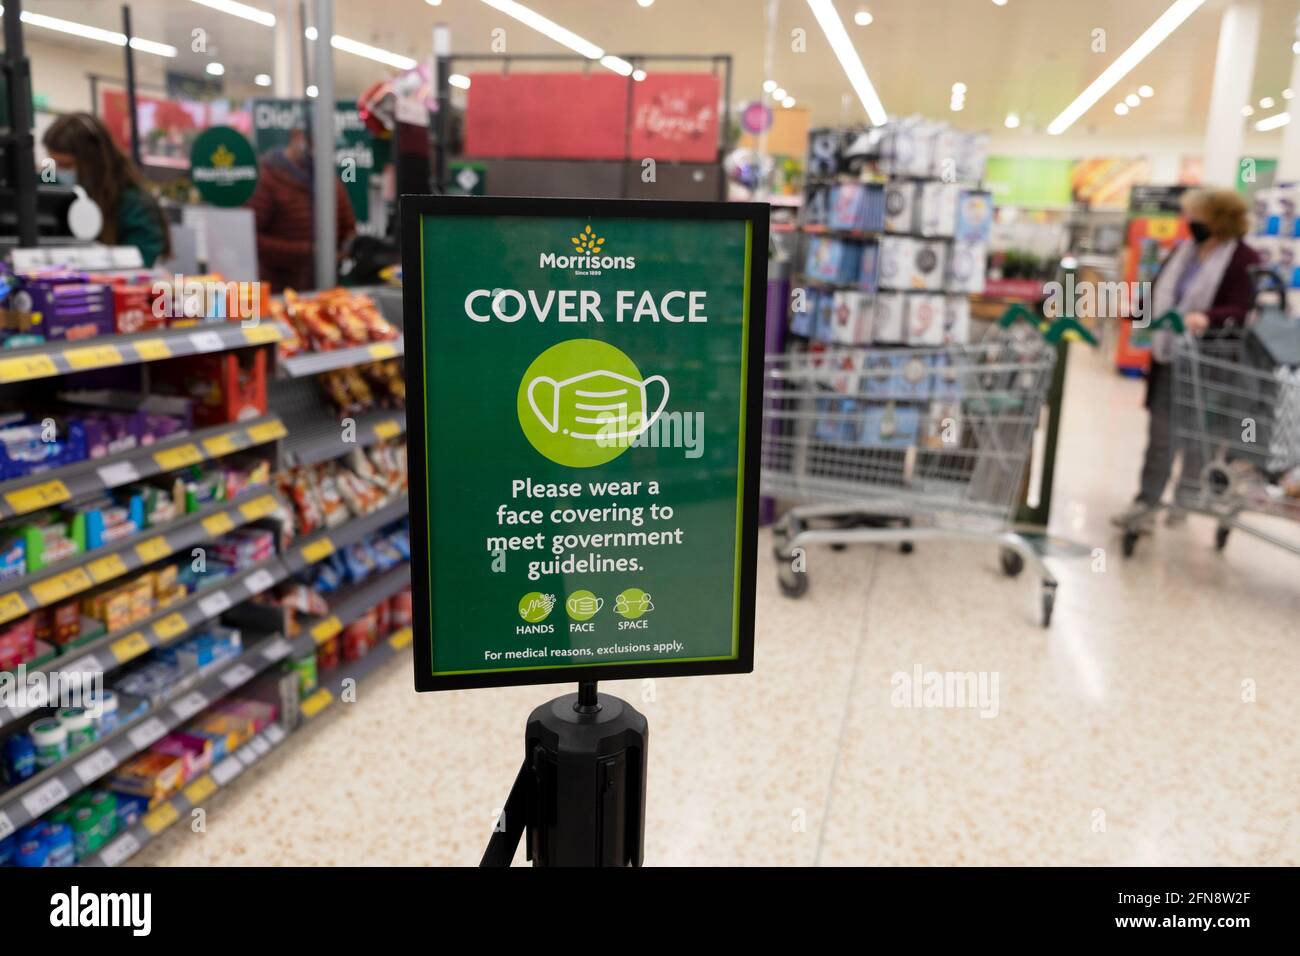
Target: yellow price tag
{"points": [[36, 497], [219, 445], [201, 789], [169, 627], [261, 333], [93, 356], [55, 589], [311, 553], [151, 350], [218, 523], [130, 647], [383, 350], [400, 639], [27, 367], [326, 629], [108, 567], [317, 702], [258, 507], [267, 431], [178, 457], [12, 605], [160, 818], [153, 549], [388, 429]]}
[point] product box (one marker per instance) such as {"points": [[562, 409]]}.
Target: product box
{"points": [[817, 204], [945, 378], [837, 421], [939, 202], [888, 325], [69, 307], [195, 751], [869, 267], [151, 774], [956, 320], [966, 267], [889, 425], [925, 316], [824, 320], [848, 207], [900, 206], [225, 387], [972, 156], [844, 376], [824, 148], [877, 374], [851, 318], [974, 219]]}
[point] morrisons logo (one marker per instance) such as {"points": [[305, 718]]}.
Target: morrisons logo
{"points": [[588, 257]]}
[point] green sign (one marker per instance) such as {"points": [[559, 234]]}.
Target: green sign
{"points": [[584, 383], [467, 179], [1029, 181], [354, 147], [222, 166]]}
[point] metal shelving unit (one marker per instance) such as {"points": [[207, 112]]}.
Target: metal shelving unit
{"points": [[313, 363], [313, 444]]}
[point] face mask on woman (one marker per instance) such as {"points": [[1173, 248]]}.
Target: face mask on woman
{"points": [[1199, 230]]}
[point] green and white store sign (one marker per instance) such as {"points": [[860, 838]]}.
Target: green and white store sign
{"points": [[223, 167], [584, 403]]}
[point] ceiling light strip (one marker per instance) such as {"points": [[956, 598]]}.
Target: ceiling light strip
{"points": [[243, 10], [72, 28], [548, 28], [1165, 24], [833, 27]]}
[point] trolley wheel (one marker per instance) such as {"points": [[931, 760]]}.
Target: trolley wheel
{"points": [[1129, 543], [1049, 601], [1012, 562], [1220, 538], [793, 584], [905, 548]]}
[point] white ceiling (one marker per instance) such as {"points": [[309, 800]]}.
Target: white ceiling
{"points": [[1031, 57]]}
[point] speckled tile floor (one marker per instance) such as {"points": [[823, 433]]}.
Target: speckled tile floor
{"points": [[1121, 735]]}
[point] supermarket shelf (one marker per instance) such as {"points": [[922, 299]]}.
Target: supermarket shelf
{"points": [[85, 479], [322, 544], [313, 363], [318, 443], [816, 229], [110, 351], [110, 651], [329, 691], [356, 601], [22, 804], [63, 580], [126, 845]]}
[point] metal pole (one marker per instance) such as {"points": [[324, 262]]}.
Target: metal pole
{"points": [[130, 85], [322, 123], [442, 84], [23, 159]]}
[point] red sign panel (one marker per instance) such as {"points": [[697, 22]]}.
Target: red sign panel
{"points": [[546, 116], [675, 117]]}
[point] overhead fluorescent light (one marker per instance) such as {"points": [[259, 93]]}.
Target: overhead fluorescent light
{"points": [[215, 69], [769, 86], [262, 79], [379, 55], [617, 64], [1276, 121], [310, 33], [548, 28], [72, 28], [850, 62], [264, 17], [638, 75], [459, 81], [1012, 121], [1165, 24]]}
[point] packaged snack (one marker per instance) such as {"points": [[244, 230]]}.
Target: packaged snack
{"points": [[153, 775]]}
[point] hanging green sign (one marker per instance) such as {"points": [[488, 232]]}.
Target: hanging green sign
{"points": [[222, 166], [584, 387], [274, 120]]}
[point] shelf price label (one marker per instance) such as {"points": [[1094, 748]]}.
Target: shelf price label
{"points": [[227, 770], [258, 507], [400, 639], [218, 524], [388, 429], [267, 431], [106, 568], [12, 605], [120, 850], [201, 789], [311, 553], [179, 457], [153, 549], [259, 581], [156, 821], [218, 445], [130, 647], [27, 367], [261, 333], [36, 497], [215, 604], [326, 629], [151, 730], [168, 627], [93, 356], [95, 766], [239, 674], [55, 589], [189, 705], [207, 342], [383, 350], [317, 702], [152, 350], [45, 796]]}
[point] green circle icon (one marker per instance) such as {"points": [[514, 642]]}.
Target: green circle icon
{"points": [[582, 402], [583, 605], [633, 603], [535, 607]]}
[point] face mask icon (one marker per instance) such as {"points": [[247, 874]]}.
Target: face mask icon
{"points": [[595, 406], [585, 605]]}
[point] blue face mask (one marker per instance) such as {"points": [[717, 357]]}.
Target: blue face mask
{"points": [[65, 177]]}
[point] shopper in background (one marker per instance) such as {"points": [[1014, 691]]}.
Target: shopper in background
{"points": [[1207, 280], [282, 203], [83, 151]]}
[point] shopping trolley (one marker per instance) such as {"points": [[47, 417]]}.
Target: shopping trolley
{"points": [[1236, 423], [900, 445]]}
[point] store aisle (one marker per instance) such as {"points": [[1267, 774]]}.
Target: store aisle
{"points": [[1120, 736]]}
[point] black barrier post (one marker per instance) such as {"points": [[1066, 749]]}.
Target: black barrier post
{"points": [[580, 793]]}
